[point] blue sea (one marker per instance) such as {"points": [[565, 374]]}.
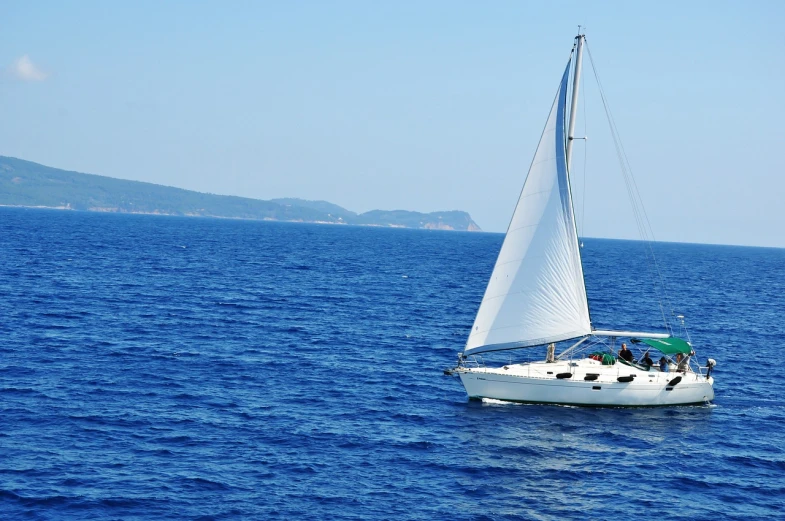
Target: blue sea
{"points": [[164, 368]]}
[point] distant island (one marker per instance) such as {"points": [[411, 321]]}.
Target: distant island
{"points": [[24, 183]]}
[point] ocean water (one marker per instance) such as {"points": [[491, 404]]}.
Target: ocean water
{"points": [[157, 368]]}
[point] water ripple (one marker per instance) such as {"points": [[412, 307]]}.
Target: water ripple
{"points": [[283, 371]]}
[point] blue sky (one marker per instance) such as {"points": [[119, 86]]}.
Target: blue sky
{"points": [[410, 105]]}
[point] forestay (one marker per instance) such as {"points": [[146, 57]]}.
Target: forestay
{"points": [[536, 293]]}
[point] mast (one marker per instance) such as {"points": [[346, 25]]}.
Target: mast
{"points": [[576, 82]]}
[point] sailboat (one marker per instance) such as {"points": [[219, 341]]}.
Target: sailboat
{"points": [[536, 296]]}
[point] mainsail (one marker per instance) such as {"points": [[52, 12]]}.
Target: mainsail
{"points": [[536, 294]]}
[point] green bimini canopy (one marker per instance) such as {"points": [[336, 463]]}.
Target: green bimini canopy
{"points": [[668, 346]]}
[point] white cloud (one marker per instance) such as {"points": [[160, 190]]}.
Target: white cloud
{"points": [[25, 70]]}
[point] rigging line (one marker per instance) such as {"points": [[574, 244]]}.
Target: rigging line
{"points": [[625, 176], [648, 224], [642, 222], [585, 152], [633, 192], [625, 168]]}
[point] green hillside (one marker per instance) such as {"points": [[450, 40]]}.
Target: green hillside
{"points": [[322, 206], [24, 183]]}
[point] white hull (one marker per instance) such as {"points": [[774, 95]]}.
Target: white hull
{"points": [[537, 383]]}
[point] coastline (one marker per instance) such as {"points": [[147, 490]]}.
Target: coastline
{"points": [[429, 226]]}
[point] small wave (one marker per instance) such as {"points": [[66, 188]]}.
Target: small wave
{"points": [[45, 501], [19, 390], [9, 495], [236, 305], [204, 483], [758, 463], [692, 484], [419, 445], [156, 452], [19, 471], [67, 316], [172, 439]]}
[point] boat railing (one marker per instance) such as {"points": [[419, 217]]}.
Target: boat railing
{"points": [[473, 361], [690, 366]]}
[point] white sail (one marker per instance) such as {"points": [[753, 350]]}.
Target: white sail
{"points": [[536, 294]]}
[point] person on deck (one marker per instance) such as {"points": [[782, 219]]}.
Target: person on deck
{"points": [[625, 353], [550, 356], [664, 364], [683, 362], [646, 360]]}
